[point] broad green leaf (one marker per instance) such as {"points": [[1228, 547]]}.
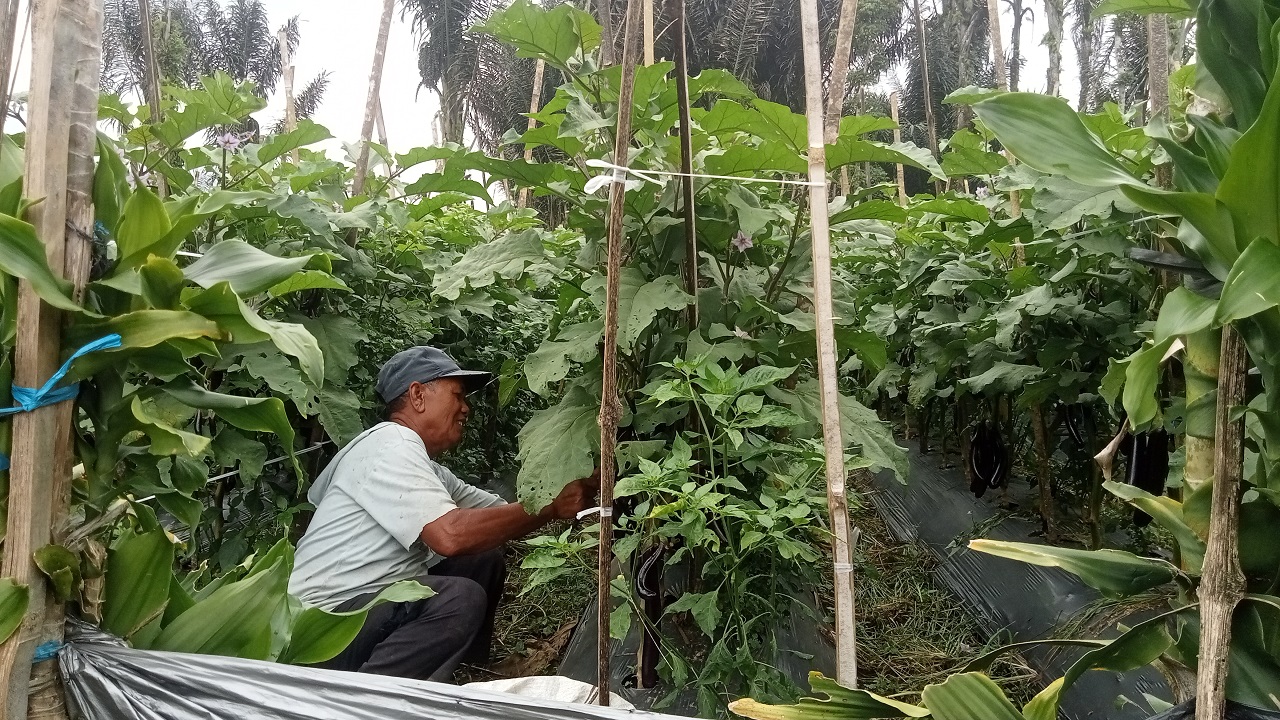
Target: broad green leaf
{"points": [[639, 301], [1061, 203], [838, 701], [968, 696], [1168, 513], [160, 282], [13, 606], [139, 570], [550, 363], [263, 414], [340, 414], [557, 446], [971, 94], [22, 255], [220, 304], [959, 208], [507, 257], [308, 280], [1176, 8], [233, 449], [1142, 377], [234, 620], [141, 329], [1045, 133], [1229, 47], [338, 337], [143, 222], [165, 438], [859, 425], [554, 35], [886, 210], [180, 124], [770, 156], [848, 150], [702, 607], [109, 187], [318, 635], [306, 133], [1003, 377], [62, 567], [1183, 312], [1206, 215], [248, 269], [1114, 573], [1251, 287]]}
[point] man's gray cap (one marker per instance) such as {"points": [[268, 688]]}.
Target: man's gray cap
{"points": [[422, 364]]}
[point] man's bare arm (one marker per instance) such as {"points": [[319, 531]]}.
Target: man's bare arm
{"points": [[468, 531]]}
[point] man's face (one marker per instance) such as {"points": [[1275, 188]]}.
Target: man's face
{"points": [[443, 409]]}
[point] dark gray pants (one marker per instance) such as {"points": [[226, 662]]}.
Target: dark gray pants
{"points": [[428, 639]]}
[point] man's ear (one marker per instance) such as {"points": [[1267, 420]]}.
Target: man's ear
{"points": [[418, 396]]}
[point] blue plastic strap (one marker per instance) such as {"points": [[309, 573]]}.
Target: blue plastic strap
{"points": [[47, 650], [29, 399], [4, 462]]}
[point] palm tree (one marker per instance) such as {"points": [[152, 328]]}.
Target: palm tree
{"points": [[195, 38], [1055, 14], [1087, 37]]}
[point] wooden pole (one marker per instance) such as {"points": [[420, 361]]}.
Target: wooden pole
{"points": [[61, 140], [686, 162], [371, 102], [610, 405], [1222, 583], [833, 439], [997, 44], [535, 104], [897, 138], [151, 69], [8, 33], [1158, 83], [380, 124], [290, 106], [648, 32], [931, 123], [608, 51], [840, 69]]}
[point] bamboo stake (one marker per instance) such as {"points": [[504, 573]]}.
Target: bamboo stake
{"points": [[840, 69], [61, 140], [648, 32], [8, 32], [535, 104], [290, 108], [1222, 583], [833, 439], [610, 405], [380, 124], [686, 162], [897, 138], [375, 90]]}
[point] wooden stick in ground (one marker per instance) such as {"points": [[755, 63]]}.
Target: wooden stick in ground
{"points": [[686, 162], [1222, 583], [840, 69], [648, 32], [833, 439], [608, 50], [380, 124], [930, 121], [535, 104], [610, 405], [290, 106], [897, 138], [371, 102], [151, 79], [8, 34], [61, 141]]}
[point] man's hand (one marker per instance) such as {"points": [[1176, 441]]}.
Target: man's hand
{"points": [[574, 498]]}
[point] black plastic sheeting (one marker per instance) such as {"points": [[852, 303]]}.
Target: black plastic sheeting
{"points": [[1235, 711], [106, 681], [1008, 598]]}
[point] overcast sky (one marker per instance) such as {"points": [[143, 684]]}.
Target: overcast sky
{"points": [[339, 35]]}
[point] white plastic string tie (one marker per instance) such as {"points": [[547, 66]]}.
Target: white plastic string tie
{"points": [[620, 171], [604, 512], [844, 567]]}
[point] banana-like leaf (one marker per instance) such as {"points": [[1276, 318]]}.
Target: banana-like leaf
{"points": [[221, 304], [62, 567], [139, 571], [1114, 573], [1141, 377], [143, 222], [234, 620], [1182, 313], [139, 330], [1167, 512], [1251, 186], [1177, 8], [1045, 133], [1251, 287], [264, 414], [247, 269], [165, 439], [13, 606], [968, 696], [318, 635], [22, 255], [839, 702]]}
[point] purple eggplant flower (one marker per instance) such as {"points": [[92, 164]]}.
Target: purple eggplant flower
{"points": [[742, 242]]}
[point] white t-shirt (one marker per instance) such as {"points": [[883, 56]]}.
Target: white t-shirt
{"points": [[372, 502]]}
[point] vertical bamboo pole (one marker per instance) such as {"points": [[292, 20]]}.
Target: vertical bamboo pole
{"points": [[535, 104], [840, 69], [897, 138], [375, 90], [648, 32], [61, 139], [686, 162], [610, 405], [8, 33], [290, 106], [1222, 583], [833, 439], [380, 124]]}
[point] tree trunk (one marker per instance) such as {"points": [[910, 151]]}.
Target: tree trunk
{"points": [[1158, 83], [1044, 473], [1200, 376], [897, 138], [61, 141], [930, 122], [1086, 41], [290, 109], [839, 88], [1053, 14], [832, 437], [997, 45], [1222, 583], [535, 104], [375, 91], [687, 191], [610, 405], [1015, 46], [8, 33]]}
